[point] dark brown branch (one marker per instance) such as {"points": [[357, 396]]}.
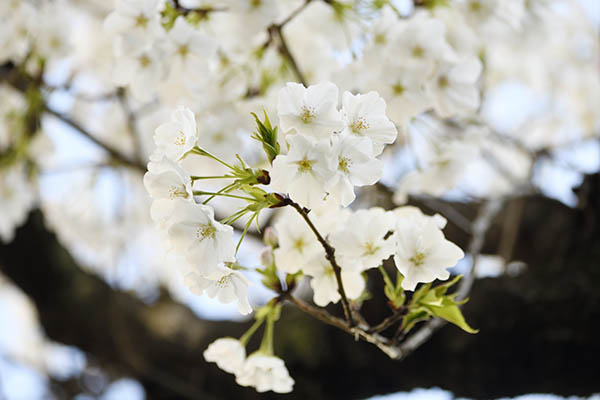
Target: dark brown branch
{"points": [[330, 255], [388, 322], [202, 11]]}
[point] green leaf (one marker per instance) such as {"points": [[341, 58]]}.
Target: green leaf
{"points": [[428, 301], [414, 316], [451, 313], [266, 134], [443, 288]]}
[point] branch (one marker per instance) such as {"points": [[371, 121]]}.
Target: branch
{"points": [[114, 153], [379, 341], [330, 255], [275, 30], [132, 125], [286, 53], [202, 11], [389, 321]]}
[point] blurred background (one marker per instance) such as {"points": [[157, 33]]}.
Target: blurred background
{"points": [[91, 305]]}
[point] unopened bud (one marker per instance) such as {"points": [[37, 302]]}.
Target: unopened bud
{"points": [[266, 257], [263, 177], [270, 237]]}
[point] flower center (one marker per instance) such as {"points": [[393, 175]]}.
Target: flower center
{"points": [[359, 125], [206, 231], [144, 61], [178, 191], [398, 89], [418, 52], [141, 21], [305, 165], [180, 139], [343, 164], [223, 282], [380, 38], [307, 114], [418, 259], [299, 244], [370, 249], [183, 50], [475, 6], [443, 82]]}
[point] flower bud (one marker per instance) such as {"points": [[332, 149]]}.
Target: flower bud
{"points": [[270, 237], [266, 257]]}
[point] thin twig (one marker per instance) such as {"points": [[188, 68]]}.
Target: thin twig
{"points": [[202, 11], [330, 255], [114, 153], [381, 342], [132, 125], [287, 54], [389, 321]]}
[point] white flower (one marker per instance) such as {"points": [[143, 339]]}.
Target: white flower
{"points": [[179, 136], [12, 107], [420, 43], [368, 243], [226, 284], [297, 243], [19, 21], [404, 92], [324, 283], [253, 15], [303, 172], [414, 212], [17, 198], [189, 49], [453, 89], [206, 242], [264, 373], [134, 17], [351, 159], [140, 69], [167, 180], [364, 116], [309, 111], [422, 253], [228, 353]]}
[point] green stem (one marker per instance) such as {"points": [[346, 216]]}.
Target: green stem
{"points": [[266, 346], [202, 193], [246, 336], [386, 278], [226, 189], [234, 217], [245, 231], [201, 152], [196, 178]]}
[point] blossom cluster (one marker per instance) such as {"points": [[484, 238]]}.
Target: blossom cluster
{"points": [[26, 28], [145, 44], [326, 152], [329, 150], [415, 242], [260, 370], [205, 245], [415, 67]]}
